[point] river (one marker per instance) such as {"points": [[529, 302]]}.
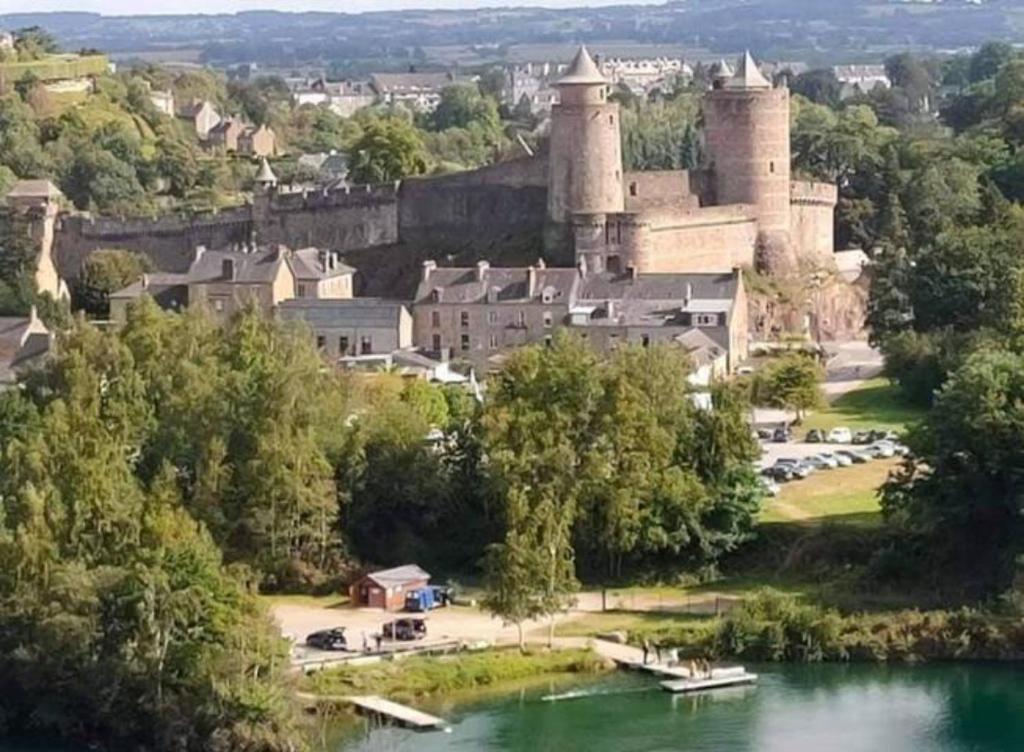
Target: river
{"points": [[858, 708]]}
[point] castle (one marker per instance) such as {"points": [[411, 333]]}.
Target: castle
{"points": [[574, 204]]}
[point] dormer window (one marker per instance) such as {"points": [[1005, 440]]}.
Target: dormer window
{"points": [[435, 295]]}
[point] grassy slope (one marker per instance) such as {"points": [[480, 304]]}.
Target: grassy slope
{"points": [[875, 405]]}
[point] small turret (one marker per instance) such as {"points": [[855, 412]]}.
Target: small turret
{"points": [[748, 76], [265, 178]]}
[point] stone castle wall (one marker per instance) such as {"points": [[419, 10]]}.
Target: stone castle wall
{"points": [[500, 204]]}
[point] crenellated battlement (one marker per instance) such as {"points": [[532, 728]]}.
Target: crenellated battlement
{"points": [[810, 192], [342, 197]]}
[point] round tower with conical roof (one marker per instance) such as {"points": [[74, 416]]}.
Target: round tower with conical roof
{"points": [[746, 127], [585, 151]]}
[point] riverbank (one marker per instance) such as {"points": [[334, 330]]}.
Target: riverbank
{"points": [[778, 627], [417, 678]]}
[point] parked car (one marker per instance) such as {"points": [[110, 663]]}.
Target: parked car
{"points": [[405, 630], [328, 639], [862, 437], [821, 462], [803, 469], [839, 435], [421, 599], [778, 473], [781, 435], [815, 436], [841, 459], [877, 434], [764, 434], [902, 450], [770, 486], [856, 456], [881, 449]]}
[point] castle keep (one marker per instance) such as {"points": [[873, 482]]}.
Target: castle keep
{"points": [[574, 203]]}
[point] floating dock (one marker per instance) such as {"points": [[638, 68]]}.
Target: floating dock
{"points": [[403, 714], [722, 677], [374, 705]]}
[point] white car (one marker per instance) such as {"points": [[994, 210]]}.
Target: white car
{"points": [[840, 435], [824, 460], [770, 487], [842, 459]]}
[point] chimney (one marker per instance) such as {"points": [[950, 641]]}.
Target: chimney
{"points": [[689, 293], [334, 260], [428, 267], [200, 250], [481, 270], [610, 308], [531, 281], [227, 269], [540, 264]]}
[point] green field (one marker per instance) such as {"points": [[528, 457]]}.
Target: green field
{"points": [[846, 494], [877, 404], [55, 68]]}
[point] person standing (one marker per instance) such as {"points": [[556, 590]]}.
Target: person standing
{"points": [[647, 649]]}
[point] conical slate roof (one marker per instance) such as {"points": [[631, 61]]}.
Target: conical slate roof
{"points": [[582, 70], [721, 69], [266, 175], [748, 75]]}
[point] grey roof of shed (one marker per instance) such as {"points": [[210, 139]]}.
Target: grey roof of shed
{"points": [[345, 312], [507, 284], [399, 575], [19, 343]]}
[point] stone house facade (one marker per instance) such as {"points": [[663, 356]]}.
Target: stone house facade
{"points": [[354, 327]]}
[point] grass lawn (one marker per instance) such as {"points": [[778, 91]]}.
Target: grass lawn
{"points": [[877, 404], [333, 600], [602, 622], [846, 494]]}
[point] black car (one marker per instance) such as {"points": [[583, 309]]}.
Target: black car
{"points": [[781, 435], [814, 436], [764, 434], [328, 639], [862, 437], [405, 629]]}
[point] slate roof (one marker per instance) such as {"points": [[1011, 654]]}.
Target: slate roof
{"points": [[152, 284], [748, 75], [582, 70], [505, 285], [701, 346], [34, 189], [308, 263], [21, 340], [257, 267], [719, 287], [343, 312], [398, 575]]}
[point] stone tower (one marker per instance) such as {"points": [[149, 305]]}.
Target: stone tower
{"points": [[585, 153], [747, 132]]}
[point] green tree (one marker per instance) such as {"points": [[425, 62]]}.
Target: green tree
{"points": [[819, 86], [792, 382], [388, 149], [962, 487], [104, 272], [462, 105]]}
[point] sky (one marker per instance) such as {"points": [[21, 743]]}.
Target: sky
{"points": [[139, 7]]}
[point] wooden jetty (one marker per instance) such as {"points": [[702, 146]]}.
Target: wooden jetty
{"points": [[374, 705]]}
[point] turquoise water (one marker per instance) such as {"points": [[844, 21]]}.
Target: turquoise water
{"points": [[975, 708], [935, 708]]}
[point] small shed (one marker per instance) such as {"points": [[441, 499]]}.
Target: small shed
{"points": [[387, 588]]}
